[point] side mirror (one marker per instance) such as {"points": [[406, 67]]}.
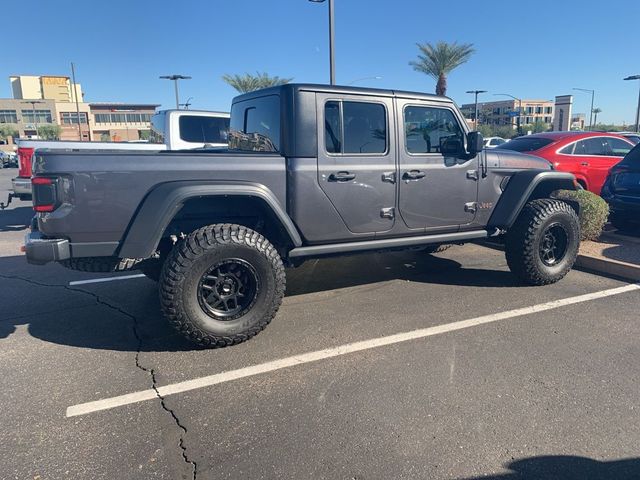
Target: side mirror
{"points": [[451, 147], [475, 143]]}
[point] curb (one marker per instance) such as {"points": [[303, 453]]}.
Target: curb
{"points": [[608, 267]]}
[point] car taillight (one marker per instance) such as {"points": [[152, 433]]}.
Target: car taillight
{"points": [[24, 162], [44, 194]]}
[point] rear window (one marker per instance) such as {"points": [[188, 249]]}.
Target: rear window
{"points": [[633, 157], [200, 129], [525, 144], [255, 125]]}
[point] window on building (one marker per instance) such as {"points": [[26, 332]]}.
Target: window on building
{"points": [[547, 119], [539, 110], [496, 111], [529, 110], [102, 118], [8, 116], [40, 116], [256, 124], [199, 129], [133, 118], [548, 110], [426, 128], [71, 118]]}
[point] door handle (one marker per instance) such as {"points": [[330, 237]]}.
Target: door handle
{"points": [[584, 164], [413, 175], [341, 177]]}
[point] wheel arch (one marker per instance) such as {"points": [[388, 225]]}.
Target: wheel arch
{"points": [[175, 200], [528, 185]]}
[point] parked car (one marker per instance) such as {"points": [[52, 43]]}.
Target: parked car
{"points": [[171, 130], [622, 191], [493, 142], [588, 155], [311, 170]]}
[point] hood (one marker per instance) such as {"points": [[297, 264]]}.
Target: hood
{"points": [[515, 160]]}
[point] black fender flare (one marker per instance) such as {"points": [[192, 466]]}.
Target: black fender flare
{"points": [[519, 190], [163, 202]]}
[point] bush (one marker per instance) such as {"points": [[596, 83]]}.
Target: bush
{"points": [[594, 211]]}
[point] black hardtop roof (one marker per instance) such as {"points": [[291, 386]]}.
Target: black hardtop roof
{"points": [[340, 89]]}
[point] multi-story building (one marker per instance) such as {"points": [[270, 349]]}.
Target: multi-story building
{"points": [[506, 112], [40, 101]]}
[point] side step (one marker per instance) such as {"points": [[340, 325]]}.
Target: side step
{"points": [[338, 248]]}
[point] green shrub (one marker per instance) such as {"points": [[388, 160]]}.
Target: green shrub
{"points": [[594, 211]]}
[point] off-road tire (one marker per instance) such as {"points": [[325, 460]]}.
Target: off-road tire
{"points": [[436, 248], [189, 262], [523, 241]]}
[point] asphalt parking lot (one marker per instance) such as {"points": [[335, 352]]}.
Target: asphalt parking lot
{"points": [[491, 380]]}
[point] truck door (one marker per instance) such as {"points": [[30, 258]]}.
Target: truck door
{"points": [[436, 192], [357, 160]]}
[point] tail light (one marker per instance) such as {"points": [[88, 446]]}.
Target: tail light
{"points": [[44, 194], [24, 162]]}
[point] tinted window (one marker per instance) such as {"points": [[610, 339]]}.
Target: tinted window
{"points": [[255, 125], [618, 147], [355, 127], [568, 150], [525, 144], [497, 141], [634, 138], [199, 129], [425, 128], [591, 146], [332, 127]]}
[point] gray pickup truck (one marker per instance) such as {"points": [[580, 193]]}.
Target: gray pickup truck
{"points": [[310, 171]]}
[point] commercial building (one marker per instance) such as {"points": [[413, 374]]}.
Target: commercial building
{"points": [[41, 101], [506, 112]]}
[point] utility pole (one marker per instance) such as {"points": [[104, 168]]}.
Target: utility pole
{"points": [[75, 94], [175, 79], [332, 65], [593, 94], [636, 77], [475, 117]]}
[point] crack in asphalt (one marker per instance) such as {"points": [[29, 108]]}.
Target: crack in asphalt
{"points": [[150, 371]]}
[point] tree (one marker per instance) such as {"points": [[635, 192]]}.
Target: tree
{"points": [[440, 59], [596, 111], [49, 132], [7, 130], [105, 137], [248, 82], [539, 126]]}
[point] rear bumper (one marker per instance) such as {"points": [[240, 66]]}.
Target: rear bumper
{"points": [[22, 187], [42, 250]]}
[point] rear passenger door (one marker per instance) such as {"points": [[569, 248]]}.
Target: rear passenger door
{"points": [[437, 192], [356, 160], [596, 156]]}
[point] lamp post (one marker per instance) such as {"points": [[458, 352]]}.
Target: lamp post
{"points": [[175, 79], [187, 104], [593, 94], [364, 78], [636, 77], [33, 112], [475, 116], [332, 66], [519, 109]]}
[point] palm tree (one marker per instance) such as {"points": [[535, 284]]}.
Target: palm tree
{"points": [[248, 82], [596, 111], [440, 59]]}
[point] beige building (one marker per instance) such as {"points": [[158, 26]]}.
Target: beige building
{"points": [[506, 112], [121, 122], [45, 87]]}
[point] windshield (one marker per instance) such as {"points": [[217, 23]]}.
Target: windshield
{"points": [[525, 144]]}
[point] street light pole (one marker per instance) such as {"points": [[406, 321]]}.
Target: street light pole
{"points": [[175, 79], [332, 66], [593, 93], [75, 95], [33, 112], [519, 109], [475, 117], [636, 77]]}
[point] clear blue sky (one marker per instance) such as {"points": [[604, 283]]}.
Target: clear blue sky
{"points": [[530, 49]]}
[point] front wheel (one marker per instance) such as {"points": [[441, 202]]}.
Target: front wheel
{"points": [[542, 245], [222, 285]]}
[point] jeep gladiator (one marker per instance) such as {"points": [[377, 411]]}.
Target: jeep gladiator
{"points": [[310, 171]]}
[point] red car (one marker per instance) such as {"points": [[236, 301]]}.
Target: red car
{"points": [[588, 155]]}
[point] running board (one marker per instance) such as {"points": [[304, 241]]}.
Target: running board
{"points": [[337, 248]]}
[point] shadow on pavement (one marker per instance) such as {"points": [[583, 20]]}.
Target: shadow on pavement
{"points": [[15, 219], [103, 316], [568, 468]]}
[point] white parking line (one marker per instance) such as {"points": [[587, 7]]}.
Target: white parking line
{"points": [[106, 279], [171, 389]]}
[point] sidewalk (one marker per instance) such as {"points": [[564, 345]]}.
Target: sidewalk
{"points": [[614, 254]]}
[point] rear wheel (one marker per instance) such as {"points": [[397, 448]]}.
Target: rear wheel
{"points": [[222, 285], [542, 245]]}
